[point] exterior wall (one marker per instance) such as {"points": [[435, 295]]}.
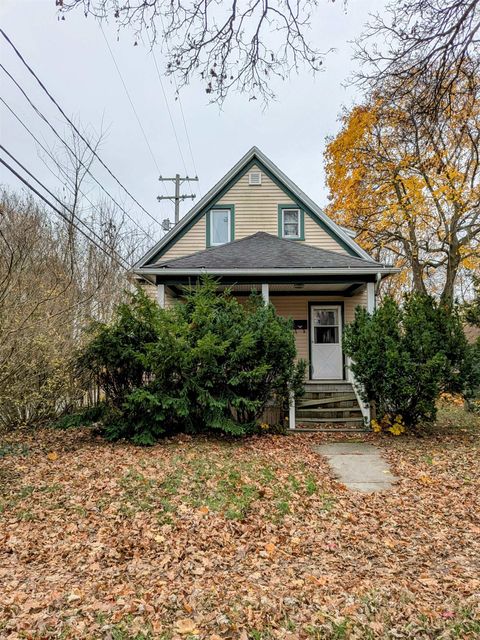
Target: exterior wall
{"points": [[296, 307], [256, 209], [194, 240], [151, 291]]}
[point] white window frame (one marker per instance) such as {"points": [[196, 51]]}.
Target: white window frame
{"points": [[299, 234], [212, 215]]}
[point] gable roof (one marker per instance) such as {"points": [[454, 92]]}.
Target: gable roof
{"points": [[265, 251], [253, 156]]}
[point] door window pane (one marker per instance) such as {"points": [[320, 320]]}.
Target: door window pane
{"points": [[326, 326], [326, 317], [326, 335], [219, 226]]}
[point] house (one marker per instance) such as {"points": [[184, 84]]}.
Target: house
{"points": [[256, 230]]}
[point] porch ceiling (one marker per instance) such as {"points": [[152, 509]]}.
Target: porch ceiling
{"points": [[346, 289], [299, 289]]}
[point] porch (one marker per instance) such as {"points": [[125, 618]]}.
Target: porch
{"points": [[319, 312]]}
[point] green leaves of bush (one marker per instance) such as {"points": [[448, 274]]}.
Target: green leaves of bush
{"points": [[404, 356], [210, 362]]}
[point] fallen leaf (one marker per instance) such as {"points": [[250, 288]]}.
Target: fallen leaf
{"points": [[185, 626]]}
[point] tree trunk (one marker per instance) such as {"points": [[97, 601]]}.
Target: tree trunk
{"points": [[448, 293]]}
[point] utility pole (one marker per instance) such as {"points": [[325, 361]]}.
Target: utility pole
{"points": [[178, 180]]}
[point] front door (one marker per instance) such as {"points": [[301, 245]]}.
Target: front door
{"points": [[326, 358]]}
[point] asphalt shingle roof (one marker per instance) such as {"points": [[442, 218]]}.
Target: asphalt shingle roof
{"points": [[265, 251]]}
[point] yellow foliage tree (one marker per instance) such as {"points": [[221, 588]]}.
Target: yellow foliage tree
{"points": [[410, 186]]}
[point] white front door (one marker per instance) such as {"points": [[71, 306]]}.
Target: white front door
{"points": [[326, 342]]}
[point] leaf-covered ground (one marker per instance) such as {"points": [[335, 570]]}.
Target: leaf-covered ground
{"points": [[204, 538]]}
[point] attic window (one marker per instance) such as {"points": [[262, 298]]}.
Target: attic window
{"points": [[255, 178], [220, 225], [290, 223]]}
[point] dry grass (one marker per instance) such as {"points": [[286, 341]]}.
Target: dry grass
{"points": [[208, 538]]}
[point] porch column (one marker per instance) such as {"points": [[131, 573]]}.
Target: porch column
{"points": [[265, 293], [291, 411], [370, 297], [161, 295]]}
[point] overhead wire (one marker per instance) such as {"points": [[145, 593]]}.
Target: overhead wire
{"points": [[169, 113], [59, 212], [179, 103], [72, 124], [72, 151], [50, 155], [130, 100], [62, 204]]}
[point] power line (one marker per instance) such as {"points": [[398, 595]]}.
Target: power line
{"points": [[186, 133], [72, 124], [60, 213], [62, 204], [179, 102], [41, 115], [130, 100], [50, 155], [169, 112]]}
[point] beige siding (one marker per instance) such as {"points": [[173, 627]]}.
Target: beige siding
{"points": [[315, 235], [151, 291], [296, 307], [194, 240], [256, 209]]}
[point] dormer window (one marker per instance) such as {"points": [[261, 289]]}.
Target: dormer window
{"points": [[220, 225], [290, 223]]}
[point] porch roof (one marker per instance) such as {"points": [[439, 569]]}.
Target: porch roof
{"points": [[265, 252]]}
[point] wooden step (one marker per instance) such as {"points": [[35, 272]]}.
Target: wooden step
{"points": [[332, 429], [328, 387], [313, 402], [332, 414], [330, 420]]}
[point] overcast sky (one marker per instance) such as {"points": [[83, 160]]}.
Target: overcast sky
{"points": [[72, 59]]}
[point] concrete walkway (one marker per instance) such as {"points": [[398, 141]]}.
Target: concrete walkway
{"points": [[359, 465]]}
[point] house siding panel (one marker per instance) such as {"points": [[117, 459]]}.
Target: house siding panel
{"points": [[296, 307], [256, 209], [193, 240], [151, 291]]}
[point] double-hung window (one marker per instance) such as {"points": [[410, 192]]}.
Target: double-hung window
{"points": [[220, 227], [291, 223]]}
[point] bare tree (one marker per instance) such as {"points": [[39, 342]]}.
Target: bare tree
{"points": [[427, 47], [53, 280], [236, 45]]}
